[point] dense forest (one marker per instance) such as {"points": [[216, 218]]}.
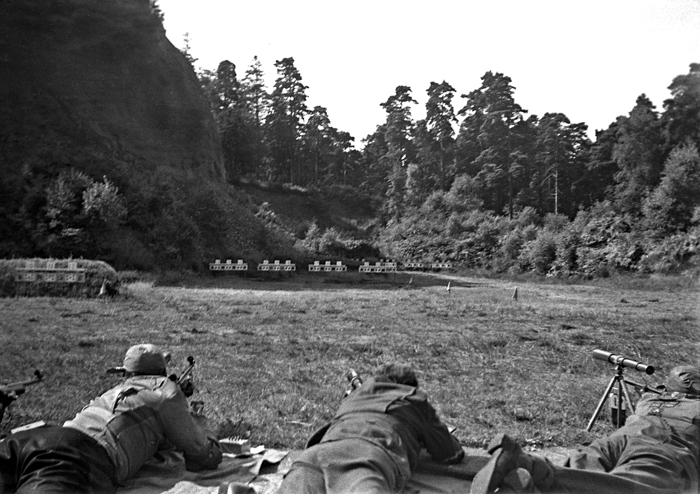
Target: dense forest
{"points": [[482, 183], [479, 182]]}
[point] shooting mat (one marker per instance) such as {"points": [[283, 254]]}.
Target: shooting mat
{"points": [[262, 471]]}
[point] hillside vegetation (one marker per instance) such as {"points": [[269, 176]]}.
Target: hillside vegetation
{"points": [[113, 148]]}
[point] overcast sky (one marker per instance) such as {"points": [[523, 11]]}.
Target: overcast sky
{"points": [[589, 60]]}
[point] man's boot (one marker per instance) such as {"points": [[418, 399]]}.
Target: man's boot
{"points": [[507, 456], [518, 481]]}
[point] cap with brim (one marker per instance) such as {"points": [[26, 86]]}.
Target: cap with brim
{"points": [[143, 359], [684, 379]]}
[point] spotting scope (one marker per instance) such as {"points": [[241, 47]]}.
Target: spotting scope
{"points": [[624, 361]]}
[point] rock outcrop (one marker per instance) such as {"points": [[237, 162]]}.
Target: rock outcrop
{"points": [[80, 79]]}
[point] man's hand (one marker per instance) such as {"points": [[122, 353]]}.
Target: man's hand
{"points": [[197, 408], [6, 398], [187, 387]]}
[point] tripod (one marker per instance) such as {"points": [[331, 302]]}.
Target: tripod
{"points": [[622, 393]]}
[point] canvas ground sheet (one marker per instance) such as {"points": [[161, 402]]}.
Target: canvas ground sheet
{"points": [[263, 470]]}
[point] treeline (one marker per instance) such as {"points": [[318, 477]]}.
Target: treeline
{"points": [[482, 165], [482, 184], [274, 136]]}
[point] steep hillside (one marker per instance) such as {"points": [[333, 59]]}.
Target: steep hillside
{"points": [[296, 209], [108, 150], [84, 80]]}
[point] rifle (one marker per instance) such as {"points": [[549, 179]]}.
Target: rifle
{"points": [[10, 392], [187, 387], [182, 381], [186, 373]]}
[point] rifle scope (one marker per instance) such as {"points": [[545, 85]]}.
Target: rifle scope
{"points": [[620, 360]]}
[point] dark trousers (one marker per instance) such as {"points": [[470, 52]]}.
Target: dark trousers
{"points": [[348, 466], [628, 465], [52, 460]]}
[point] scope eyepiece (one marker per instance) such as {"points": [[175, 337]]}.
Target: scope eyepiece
{"points": [[353, 378], [623, 361]]}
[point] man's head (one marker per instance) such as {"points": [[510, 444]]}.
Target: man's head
{"points": [[684, 379], [145, 359], [398, 373]]}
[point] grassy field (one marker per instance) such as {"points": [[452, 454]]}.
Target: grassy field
{"points": [[271, 354]]}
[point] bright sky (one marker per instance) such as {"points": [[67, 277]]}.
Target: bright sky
{"points": [[589, 60]]}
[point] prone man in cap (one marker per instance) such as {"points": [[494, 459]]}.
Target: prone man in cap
{"points": [[656, 452], [112, 437], [373, 442]]}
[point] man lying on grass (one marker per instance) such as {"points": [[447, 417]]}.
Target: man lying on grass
{"points": [[372, 443], [656, 452], [112, 437]]}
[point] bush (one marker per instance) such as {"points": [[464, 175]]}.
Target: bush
{"points": [[673, 254], [96, 272], [511, 244], [568, 243], [170, 278], [539, 254]]}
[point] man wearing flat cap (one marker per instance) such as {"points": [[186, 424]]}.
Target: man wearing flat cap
{"points": [[656, 452], [112, 437]]}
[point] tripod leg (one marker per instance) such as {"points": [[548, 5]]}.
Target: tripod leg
{"points": [[601, 403], [627, 396]]}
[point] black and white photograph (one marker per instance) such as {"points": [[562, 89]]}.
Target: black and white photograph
{"points": [[370, 247]]}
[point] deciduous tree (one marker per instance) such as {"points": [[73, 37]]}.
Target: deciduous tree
{"points": [[669, 208]]}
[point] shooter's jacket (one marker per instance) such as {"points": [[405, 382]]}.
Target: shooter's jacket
{"points": [[672, 419], [396, 417], [142, 416]]}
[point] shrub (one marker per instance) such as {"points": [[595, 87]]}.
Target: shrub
{"points": [[528, 216], [539, 254], [673, 254], [568, 243], [511, 244], [128, 251]]}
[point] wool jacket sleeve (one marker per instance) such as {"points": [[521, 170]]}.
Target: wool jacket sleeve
{"points": [[436, 438], [188, 433]]}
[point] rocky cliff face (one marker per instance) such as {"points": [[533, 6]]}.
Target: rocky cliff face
{"points": [[84, 79]]}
